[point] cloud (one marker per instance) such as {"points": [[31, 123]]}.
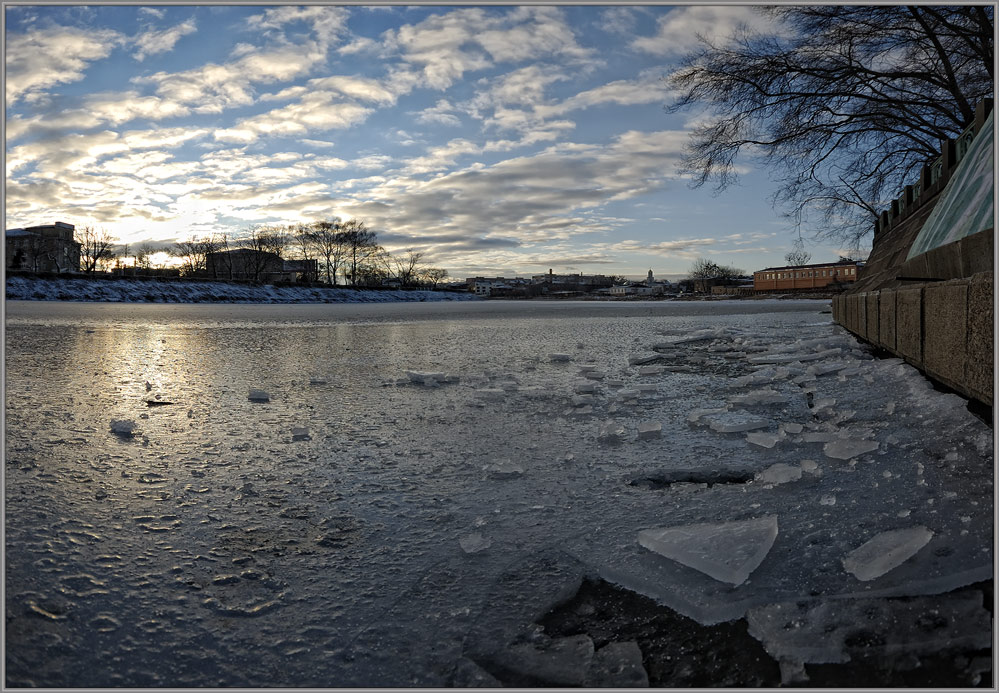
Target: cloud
{"points": [[156, 42], [446, 46], [442, 113], [537, 198], [620, 21], [327, 22], [679, 30], [315, 112], [43, 58]]}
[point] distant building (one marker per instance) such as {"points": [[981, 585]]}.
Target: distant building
{"points": [[555, 283], [258, 266], [48, 248], [805, 277]]}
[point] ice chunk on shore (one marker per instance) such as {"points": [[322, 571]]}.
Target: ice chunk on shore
{"points": [[422, 378], [474, 542], [123, 428], [642, 359], [650, 370], [649, 429], [610, 432], [886, 551], [504, 469], [846, 448], [779, 473], [300, 433], [734, 422], [764, 396], [726, 551], [258, 396], [763, 439], [560, 358]]}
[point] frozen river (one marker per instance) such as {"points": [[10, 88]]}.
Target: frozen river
{"points": [[415, 485]]}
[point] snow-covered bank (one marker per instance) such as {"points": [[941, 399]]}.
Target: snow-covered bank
{"points": [[153, 291]]}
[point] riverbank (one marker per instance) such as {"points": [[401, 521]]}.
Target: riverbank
{"points": [[22, 288]]}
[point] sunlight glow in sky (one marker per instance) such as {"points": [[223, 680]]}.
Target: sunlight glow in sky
{"points": [[498, 140]]}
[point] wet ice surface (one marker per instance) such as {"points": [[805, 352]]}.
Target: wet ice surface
{"points": [[362, 526]]}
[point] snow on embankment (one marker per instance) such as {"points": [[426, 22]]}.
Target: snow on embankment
{"points": [[152, 291]]}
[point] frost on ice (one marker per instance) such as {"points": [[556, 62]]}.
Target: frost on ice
{"points": [[886, 551], [727, 551]]}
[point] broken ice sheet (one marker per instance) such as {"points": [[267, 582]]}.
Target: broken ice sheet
{"points": [[649, 429], [886, 551], [726, 551], [779, 473], [847, 448]]}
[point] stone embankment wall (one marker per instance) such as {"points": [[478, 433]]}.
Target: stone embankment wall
{"points": [[945, 329]]}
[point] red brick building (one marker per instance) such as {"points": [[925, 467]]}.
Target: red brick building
{"points": [[806, 277]]}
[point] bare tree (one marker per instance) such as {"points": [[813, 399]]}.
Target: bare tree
{"points": [[95, 247], [703, 268], [301, 237], [361, 243], [798, 255], [433, 276], [143, 256], [326, 237], [408, 267], [845, 103]]}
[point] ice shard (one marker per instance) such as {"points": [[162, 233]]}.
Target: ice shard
{"points": [[726, 551], [886, 551]]}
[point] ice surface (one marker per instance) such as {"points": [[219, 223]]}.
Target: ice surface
{"points": [[847, 448], [727, 551], [221, 517], [886, 551], [258, 396], [553, 662]]}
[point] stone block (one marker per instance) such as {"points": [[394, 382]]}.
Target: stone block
{"points": [[909, 325], [978, 368], [861, 320], [977, 253], [886, 319], [944, 262], [945, 331], [873, 317]]}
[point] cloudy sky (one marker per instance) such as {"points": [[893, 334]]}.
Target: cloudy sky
{"points": [[497, 140]]}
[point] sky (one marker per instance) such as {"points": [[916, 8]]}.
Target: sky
{"points": [[497, 140]]}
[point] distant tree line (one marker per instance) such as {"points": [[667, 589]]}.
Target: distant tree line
{"points": [[346, 253]]}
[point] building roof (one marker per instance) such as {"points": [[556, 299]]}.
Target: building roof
{"points": [[18, 232], [819, 265]]}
